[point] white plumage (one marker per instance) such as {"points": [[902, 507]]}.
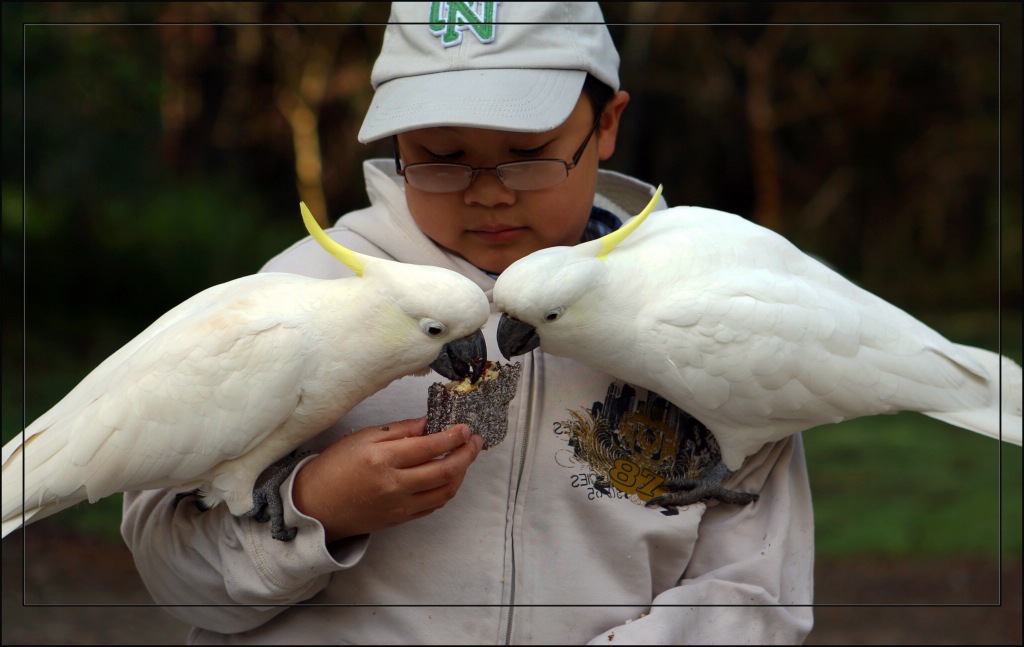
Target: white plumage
{"points": [[237, 377], [739, 328]]}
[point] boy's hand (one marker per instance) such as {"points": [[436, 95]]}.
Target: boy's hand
{"points": [[380, 477]]}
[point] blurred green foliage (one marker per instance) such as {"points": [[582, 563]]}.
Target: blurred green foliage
{"points": [[147, 154], [910, 485]]}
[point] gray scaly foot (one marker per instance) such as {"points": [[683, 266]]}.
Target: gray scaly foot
{"points": [[706, 488], [266, 497]]}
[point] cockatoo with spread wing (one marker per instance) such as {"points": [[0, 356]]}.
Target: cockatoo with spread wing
{"points": [[736, 326], [237, 377]]}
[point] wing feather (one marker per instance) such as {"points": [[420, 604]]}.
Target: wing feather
{"points": [[130, 424], [769, 341]]}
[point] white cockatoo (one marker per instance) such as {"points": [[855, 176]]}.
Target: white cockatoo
{"points": [[237, 377], [755, 339]]}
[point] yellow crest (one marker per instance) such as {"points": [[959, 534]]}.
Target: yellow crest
{"points": [[609, 241], [346, 256]]}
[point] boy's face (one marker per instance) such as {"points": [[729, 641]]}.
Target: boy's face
{"points": [[491, 225]]}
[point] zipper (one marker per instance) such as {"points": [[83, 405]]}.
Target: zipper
{"points": [[519, 479]]}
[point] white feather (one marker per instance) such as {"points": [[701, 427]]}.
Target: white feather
{"points": [[757, 340]]}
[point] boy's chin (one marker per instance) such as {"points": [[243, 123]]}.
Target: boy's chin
{"points": [[491, 263]]}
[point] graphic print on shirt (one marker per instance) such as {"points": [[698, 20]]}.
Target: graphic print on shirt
{"points": [[631, 444]]}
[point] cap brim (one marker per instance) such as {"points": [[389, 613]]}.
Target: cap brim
{"points": [[523, 100]]}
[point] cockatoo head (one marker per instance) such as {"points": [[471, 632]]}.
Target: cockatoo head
{"points": [[550, 295], [429, 310]]}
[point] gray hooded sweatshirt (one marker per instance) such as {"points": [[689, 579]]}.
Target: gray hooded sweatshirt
{"points": [[548, 541]]}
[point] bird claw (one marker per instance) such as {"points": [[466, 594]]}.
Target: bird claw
{"points": [[702, 493], [197, 493], [266, 498], [708, 487]]}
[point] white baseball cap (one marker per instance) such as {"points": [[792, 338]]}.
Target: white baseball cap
{"points": [[516, 66]]}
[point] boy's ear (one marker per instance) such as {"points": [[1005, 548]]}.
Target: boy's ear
{"points": [[609, 128]]}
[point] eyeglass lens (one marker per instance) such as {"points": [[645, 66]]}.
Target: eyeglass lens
{"points": [[528, 175], [522, 176]]}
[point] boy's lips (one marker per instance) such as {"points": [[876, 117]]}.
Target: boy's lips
{"points": [[497, 233]]}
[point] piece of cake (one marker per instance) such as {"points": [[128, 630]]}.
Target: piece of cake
{"points": [[483, 406]]}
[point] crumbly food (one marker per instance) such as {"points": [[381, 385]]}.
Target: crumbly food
{"points": [[483, 406]]}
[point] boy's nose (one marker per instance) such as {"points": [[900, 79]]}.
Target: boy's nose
{"points": [[487, 190]]}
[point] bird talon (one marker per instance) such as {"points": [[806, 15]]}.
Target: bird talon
{"points": [[260, 514], [707, 487], [282, 533], [658, 501], [703, 494], [266, 497], [197, 493]]}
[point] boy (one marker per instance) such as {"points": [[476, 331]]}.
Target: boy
{"points": [[498, 121]]}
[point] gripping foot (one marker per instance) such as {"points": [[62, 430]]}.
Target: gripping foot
{"points": [[706, 488], [266, 497]]}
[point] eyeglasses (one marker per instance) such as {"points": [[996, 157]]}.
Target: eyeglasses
{"points": [[528, 175]]}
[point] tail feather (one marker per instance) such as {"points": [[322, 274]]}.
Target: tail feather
{"points": [[17, 520], [1002, 419], [13, 486], [39, 498]]}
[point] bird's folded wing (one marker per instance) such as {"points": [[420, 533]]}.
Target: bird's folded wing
{"points": [[204, 389]]}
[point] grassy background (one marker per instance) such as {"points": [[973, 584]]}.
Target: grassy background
{"points": [[908, 485]]}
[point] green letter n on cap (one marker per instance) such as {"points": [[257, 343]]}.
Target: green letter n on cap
{"points": [[449, 19]]}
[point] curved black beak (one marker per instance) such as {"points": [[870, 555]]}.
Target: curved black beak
{"points": [[516, 337], [462, 358]]}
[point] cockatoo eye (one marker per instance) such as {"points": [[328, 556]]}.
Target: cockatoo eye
{"points": [[432, 327], [552, 315]]}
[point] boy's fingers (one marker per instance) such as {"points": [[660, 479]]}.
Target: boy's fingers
{"points": [[412, 451], [434, 478], [401, 429]]}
